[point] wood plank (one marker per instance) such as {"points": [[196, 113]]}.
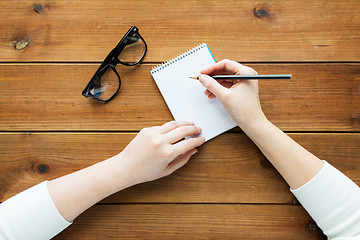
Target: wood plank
{"points": [[227, 169], [47, 97], [242, 30], [193, 221]]}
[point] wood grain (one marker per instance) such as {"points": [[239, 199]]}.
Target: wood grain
{"points": [[47, 97], [193, 221], [50, 49], [227, 169], [241, 30]]}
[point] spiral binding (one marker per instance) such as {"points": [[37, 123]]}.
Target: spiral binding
{"points": [[159, 67]]}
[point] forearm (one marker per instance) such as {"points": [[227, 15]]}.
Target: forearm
{"points": [[74, 193], [294, 163], [44, 210], [146, 158], [330, 197]]}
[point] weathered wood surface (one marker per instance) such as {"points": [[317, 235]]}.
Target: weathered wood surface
{"points": [[228, 169], [193, 221], [47, 97], [241, 30]]}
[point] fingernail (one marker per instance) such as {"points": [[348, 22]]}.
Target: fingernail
{"points": [[193, 152]]}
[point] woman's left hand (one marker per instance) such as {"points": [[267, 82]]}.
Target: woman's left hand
{"points": [[158, 151]]}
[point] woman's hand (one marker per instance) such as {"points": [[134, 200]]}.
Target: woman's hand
{"points": [[239, 97], [154, 153], [158, 151]]}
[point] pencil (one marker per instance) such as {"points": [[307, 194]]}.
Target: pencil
{"points": [[248, 77]]}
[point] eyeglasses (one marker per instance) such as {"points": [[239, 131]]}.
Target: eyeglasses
{"points": [[106, 81]]}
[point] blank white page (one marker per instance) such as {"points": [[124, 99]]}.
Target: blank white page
{"points": [[185, 97]]}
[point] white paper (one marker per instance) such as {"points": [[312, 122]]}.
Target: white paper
{"points": [[185, 97]]}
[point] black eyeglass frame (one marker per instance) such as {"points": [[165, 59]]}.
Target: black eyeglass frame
{"points": [[111, 60]]}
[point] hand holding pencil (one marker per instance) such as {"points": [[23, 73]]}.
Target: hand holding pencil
{"points": [[240, 98]]}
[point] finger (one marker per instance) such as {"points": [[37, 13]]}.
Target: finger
{"points": [[179, 161], [188, 144], [227, 84], [212, 85], [211, 96], [223, 67], [181, 132], [167, 127], [207, 92], [246, 71]]}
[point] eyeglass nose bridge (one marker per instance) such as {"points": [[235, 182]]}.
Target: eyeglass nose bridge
{"points": [[112, 65]]}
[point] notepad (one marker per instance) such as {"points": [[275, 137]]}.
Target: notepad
{"points": [[185, 97]]}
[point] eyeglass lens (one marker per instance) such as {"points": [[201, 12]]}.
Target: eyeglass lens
{"points": [[105, 86], [134, 50], [106, 83]]}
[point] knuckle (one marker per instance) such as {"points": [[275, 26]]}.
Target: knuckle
{"points": [[185, 130], [226, 61], [195, 130], [226, 97], [167, 153], [194, 142], [149, 131], [174, 123], [250, 71], [199, 140], [209, 84], [156, 142]]}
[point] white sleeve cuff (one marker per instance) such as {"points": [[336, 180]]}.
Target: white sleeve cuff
{"points": [[31, 214], [333, 201]]}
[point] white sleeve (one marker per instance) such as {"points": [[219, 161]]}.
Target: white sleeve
{"points": [[333, 201], [31, 214]]}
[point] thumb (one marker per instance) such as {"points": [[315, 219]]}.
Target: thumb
{"points": [[212, 85]]}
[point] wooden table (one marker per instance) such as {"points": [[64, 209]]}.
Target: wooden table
{"points": [[229, 190]]}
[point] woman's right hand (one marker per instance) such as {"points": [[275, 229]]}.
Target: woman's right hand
{"points": [[239, 97]]}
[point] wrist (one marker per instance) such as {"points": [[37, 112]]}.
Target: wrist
{"points": [[255, 125], [120, 175], [250, 121], [74, 193]]}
